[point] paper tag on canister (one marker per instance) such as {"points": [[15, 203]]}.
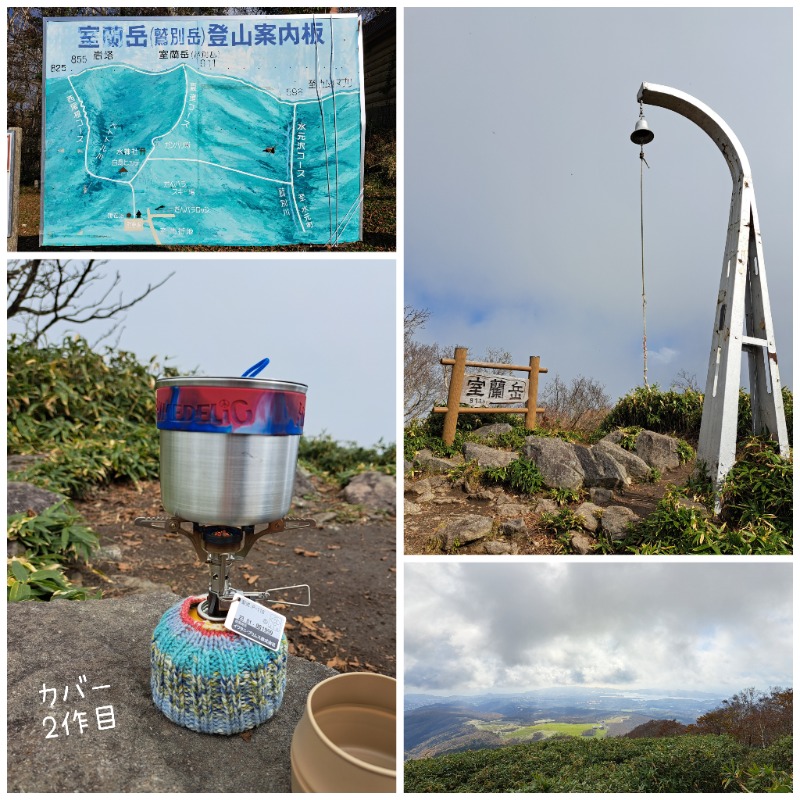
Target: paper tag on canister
{"points": [[255, 622]]}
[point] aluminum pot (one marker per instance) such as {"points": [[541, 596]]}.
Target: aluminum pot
{"points": [[345, 740], [228, 447]]}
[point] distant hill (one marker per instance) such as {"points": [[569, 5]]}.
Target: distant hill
{"points": [[656, 728], [435, 725]]}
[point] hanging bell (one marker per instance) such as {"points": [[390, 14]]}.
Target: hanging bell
{"points": [[641, 133]]}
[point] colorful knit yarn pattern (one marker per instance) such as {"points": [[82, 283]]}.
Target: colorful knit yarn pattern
{"points": [[209, 679]]}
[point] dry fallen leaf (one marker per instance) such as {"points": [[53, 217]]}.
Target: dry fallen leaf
{"points": [[123, 566], [246, 735], [307, 553], [336, 663], [334, 547]]}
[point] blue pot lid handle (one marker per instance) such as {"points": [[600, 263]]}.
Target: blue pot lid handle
{"points": [[255, 369]]}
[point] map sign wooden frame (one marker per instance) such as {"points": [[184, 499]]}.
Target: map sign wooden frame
{"points": [[221, 131]]}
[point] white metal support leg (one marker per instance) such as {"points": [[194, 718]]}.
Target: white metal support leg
{"points": [[742, 321]]}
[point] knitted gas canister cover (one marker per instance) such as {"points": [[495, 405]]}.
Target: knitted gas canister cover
{"points": [[209, 679]]}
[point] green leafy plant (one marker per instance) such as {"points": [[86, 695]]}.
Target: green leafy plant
{"points": [[654, 410], [680, 764], [654, 476], [685, 451], [521, 475], [675, 528], [41, 580], [92, 413], [564, 496], [759, 487], [56, 531], [756, 778], [341, 461], [561, 523], [679, 413], [629, 434]]}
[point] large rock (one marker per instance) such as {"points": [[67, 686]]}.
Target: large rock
{"points": [[598, 495], [303, 486], [658, 450], [556, 460], [56, 645], [373, 490], [633, 465], [464, 530], [487, 431], [488, 456], [590, 516], [513, 527], [616, 520], [599, 469], [581, 543], [22, 497], [494, 548], [428, 462]]}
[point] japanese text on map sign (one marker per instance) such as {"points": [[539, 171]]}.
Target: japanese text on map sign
{"points": [[486, 390], [209, 131]]}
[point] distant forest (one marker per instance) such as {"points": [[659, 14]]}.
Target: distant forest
{"points": [[753, 719]]}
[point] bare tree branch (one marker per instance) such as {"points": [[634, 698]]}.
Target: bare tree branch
{"points": [[44, 292], [423, 381]]}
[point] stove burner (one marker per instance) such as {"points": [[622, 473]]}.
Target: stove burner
{"points": [[219, 546], [221, 538]]}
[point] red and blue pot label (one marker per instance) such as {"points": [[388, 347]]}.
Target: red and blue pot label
{"points": [[219, 409]]}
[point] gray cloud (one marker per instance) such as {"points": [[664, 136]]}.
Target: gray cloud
{"points": [[488, 625]]}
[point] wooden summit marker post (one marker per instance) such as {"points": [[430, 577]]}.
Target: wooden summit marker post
{"points": [[526, 392]]}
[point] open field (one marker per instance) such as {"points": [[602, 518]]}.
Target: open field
{"points": [[546, 729]]}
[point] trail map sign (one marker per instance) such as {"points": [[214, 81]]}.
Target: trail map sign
{"points": [[241, 130]]}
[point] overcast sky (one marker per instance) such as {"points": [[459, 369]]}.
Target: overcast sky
{"points": [[493, 627], [522, 186], [329, 323]]}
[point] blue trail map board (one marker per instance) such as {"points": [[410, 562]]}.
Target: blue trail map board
{"points": [[227, 131]]}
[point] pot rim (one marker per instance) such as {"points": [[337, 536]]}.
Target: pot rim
{"points": [[233, 383], [357, 762]]}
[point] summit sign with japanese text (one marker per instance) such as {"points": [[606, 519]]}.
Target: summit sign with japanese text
{"points": [[487, 390], [229, 131]]}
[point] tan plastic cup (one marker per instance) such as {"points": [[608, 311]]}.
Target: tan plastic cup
{"points": [[346, 739]]}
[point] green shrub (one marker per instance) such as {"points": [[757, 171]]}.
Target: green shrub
{"points": [[685, 452], [678, 413], [654, 410], [49, 538], [55, 532], [342, 461], [564, 496], [759, 487], [57, 390], [666, 765], [521, 475], [94, 459], [677, 529], [42, 580], [745, 420], [92, 413], [426, 434]]}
